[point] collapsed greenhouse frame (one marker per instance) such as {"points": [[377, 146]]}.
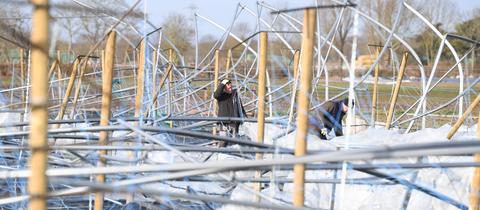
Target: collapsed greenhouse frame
{"points": [[61, 173]]}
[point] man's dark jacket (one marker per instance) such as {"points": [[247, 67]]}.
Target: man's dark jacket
{"points": [[229, 104], [331, 115]]}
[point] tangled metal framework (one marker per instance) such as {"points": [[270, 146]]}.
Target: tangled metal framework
{"points": [[165, 136]]}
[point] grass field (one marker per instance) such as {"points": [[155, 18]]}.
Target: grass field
{"points": [[409, 93]]}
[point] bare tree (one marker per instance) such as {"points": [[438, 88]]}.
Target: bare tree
{"points": [[385, 11], [442, 13], [87, 24], [179, 29], [340, 24], [15, 29], [242, 29]]}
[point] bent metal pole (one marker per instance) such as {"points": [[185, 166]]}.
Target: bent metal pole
{"points": [[306, 60], [107, 77], [37, 182]]}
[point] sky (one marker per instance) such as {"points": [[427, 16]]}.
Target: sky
{"points": [[222, 11]]}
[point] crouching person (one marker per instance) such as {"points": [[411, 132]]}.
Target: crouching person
{"points": [[328, 123]]}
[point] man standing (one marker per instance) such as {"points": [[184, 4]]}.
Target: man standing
{"points": [[229, 105], [330, 118]]}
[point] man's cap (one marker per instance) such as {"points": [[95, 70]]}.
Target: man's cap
{"points": [[226, 81], [345, 101]]}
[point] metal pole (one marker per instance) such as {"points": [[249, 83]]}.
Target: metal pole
{"points": [[262, 69], [375, 88], [308, 32], [107, 77], [215, 85], [460, 121], [37, 182], [396, 90]]}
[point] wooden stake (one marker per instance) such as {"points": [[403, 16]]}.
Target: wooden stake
{"points": [[262, 69], [170, 80], [475, 186], [59, 75], [22, 72], [215, 85], [375, 89], [161, 83], [154, 73], [462, 119], [308, 32], [79, 86], [140, 80], [229, 59], [396, 90], [296, 59], [37, 181], [107, 77], [71, 82], [53, 67]]}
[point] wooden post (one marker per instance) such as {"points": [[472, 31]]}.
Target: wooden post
{"points": [[296, 59], [107, 77], [154, 77], [215, 85], [160, 85], [22, 72], [59, 74], [140, 79], [68, 91], [52, 68], [229, 59], [138, 98], [462, 119], [262, 69], [102, 57], [396, 90], [375, 89], [154, 73], [37, 181], [170, 80], [475, 186], [79, 86], [308, 32]]}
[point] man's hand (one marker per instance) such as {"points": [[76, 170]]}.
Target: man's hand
{"points": [[225, 81], [324, 131]]}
